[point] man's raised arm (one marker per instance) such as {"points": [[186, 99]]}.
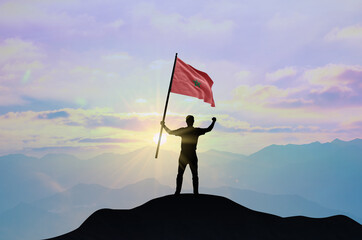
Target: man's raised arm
{"points": [[211, 125]]}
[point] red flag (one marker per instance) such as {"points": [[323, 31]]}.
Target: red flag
{"points": [[191, 82]]}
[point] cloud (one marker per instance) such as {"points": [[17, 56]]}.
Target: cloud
{"points": [[350, 33], [334, 75], [57, 20], [358, 124], [115, 122], [107, 79], [281, 74], [189, 26], [16, 49], [335, 85], [53, 115], [287, 32], [158, 64], [76, 84], [109, 54], [7, 98], [292, 103], [334, 96], [258, 94], [286, 21], [331, 86], [57, 148], [75, 130], [84, 151], [117, 56], [318, 100], [243, 75], [19, 62], [116, 24], [105, 140], [259, 129], [22, 13], [229, 124], [106, 118]]}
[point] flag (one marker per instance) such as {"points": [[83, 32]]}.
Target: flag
{"points": [[189, 81]]}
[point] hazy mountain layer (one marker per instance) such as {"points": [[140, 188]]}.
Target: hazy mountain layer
{"points": [[65, 211], [328, 174]]}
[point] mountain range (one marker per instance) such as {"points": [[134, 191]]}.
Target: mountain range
{"points": [[314, 179], [66, 210]]}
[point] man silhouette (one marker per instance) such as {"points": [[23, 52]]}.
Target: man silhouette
{"points": [[188, 155]]}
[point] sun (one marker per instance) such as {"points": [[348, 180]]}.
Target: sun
{"points": [[163, 138]]}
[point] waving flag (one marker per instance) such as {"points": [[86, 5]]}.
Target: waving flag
{"points": [[189, 81]]}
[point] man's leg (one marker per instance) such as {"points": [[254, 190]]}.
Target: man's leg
{"points": [[195, 177], [181, 169]]}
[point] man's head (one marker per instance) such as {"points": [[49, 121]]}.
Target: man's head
{"points": [[190, 120]]}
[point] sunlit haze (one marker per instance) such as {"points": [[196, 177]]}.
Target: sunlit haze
{"points": [[163, 138], [87, 78]]}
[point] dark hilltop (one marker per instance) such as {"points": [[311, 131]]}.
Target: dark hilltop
{"points": [[207, 217]]}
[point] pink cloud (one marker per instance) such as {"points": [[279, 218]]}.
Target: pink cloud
{"points": [[106, 140], [331, 86]]}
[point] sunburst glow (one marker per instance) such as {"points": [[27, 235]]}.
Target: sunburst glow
{"points": [[163, 138]]}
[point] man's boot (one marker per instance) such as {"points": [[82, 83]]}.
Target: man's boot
{"points": [[195, 183]]}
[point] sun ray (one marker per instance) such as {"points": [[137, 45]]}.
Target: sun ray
{"points": [[163, 138]]}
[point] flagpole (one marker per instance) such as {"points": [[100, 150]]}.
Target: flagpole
{"points": [[166, 104]]}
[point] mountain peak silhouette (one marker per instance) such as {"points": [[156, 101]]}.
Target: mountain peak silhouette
{"points": [[207, 217]]}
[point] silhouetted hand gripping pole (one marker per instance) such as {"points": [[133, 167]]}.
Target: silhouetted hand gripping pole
{"points": [[166, 104]]}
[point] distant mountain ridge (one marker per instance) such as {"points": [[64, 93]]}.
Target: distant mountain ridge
{"points": [[206, 217], [326, 174], [289, 169], [65, 211], [355, 143], [334, 167]]}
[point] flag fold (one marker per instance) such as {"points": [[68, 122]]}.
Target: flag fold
{"points": [[189, 81]]}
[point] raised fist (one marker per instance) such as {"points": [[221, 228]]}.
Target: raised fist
{"points": [[214, 119]]}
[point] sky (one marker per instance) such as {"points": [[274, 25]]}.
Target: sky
{"points": [[87, 77]]}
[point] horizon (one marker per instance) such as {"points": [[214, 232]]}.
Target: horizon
{"points": [[173, 151]]}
